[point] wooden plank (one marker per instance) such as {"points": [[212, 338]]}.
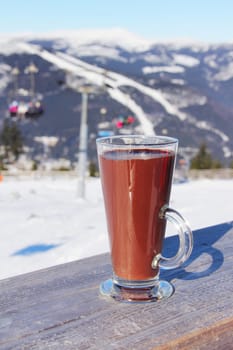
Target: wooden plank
{"points": [[60, 307], [218, 336]]}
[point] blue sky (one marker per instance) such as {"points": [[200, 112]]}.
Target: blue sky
{"points": [[202, 20]]}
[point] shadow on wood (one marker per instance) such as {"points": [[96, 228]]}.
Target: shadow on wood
{"points": [[204, 244]]}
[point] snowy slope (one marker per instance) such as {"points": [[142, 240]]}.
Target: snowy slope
{"points": [[96, 76], [43, 223]]}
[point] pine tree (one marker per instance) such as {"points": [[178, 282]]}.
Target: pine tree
{"points": [[203, 159], [11, 140]]}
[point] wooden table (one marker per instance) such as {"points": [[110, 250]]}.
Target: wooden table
{"points": [[60, 307]]}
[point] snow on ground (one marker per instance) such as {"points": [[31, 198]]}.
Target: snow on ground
{"points": [[225, 73], [4, 75], [43, 223], [167, 69], [186, 60]]}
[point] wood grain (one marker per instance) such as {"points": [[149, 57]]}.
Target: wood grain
{"points": [[60, 307], [218, 336]]}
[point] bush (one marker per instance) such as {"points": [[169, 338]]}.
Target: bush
{"points": [[2, 165], [34, 166], [63, 168], [92, 169]]}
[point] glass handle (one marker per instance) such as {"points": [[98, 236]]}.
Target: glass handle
{"points": [[185, 240]]}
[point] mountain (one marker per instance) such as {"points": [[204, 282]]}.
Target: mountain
{"points": [[179, 89]]}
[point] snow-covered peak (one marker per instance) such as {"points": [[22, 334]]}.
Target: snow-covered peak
{"points": [[8, 45], [85, 37], [116, 36]]}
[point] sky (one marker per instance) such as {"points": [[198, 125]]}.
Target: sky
{"points": [[200, 20]]}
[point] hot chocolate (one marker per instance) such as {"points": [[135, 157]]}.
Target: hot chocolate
{"points": [[136, 185]]}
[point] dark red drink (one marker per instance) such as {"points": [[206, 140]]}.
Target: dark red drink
{"points": [[136, 185]]}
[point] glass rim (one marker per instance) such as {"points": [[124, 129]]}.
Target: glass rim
{"points": [[159, 140]]}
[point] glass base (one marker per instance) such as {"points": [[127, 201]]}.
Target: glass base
{"points": [[161, 290]]}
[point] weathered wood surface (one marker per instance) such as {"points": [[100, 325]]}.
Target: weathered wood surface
{"points": [[60, 308]]}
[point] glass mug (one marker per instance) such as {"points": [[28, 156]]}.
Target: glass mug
{"points": [[136, 174]]}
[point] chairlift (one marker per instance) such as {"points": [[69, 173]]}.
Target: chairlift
{"points": [[124, 121], [23, 108], [26, 103]]}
